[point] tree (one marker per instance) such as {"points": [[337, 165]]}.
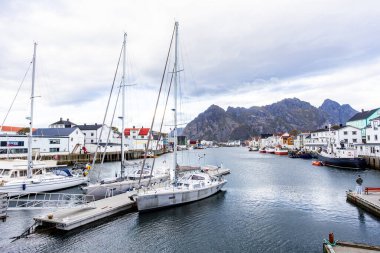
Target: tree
{"points": [[294, 132], [24, 131], [115, 130]]}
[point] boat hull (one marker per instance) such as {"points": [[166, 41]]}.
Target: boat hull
{"points": [[344, 163], [169, 198], [14, 189], [281, 152], [100, 191]]}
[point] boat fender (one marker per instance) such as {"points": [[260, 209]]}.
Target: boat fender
{"points": [[24, 186]]}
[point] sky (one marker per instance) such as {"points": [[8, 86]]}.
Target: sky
{"points": [[233, 53]]}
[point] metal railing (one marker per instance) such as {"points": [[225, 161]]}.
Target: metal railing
{"points": [[50, 201]]}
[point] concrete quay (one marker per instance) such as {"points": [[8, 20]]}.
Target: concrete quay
{"points": [[349, 247], [369, 202]]}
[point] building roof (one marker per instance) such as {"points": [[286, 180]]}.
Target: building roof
{"points": [[363, 115], [90, 127], [10, 129], [54, 132], [142, 131], [63, 122], [377, 118]]}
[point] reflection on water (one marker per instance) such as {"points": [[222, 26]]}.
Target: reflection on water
{"points": [[270, 204]]}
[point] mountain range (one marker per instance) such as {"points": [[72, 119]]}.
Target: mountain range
{"points": [[289, 114]]}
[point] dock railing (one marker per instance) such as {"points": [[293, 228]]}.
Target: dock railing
{"points": [[50, 201]]}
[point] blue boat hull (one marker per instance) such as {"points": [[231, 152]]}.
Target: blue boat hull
{"points": [[344, 163]]}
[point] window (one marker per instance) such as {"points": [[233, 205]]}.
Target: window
{"points": [[84, 134], [55, 141], [18, 150], [368, 137], [92, 141], [353, 132], [361, 148], [354, 140], [12, 144], [345, 132], [92, 134], [345, 140], [54, 150], [375, 137], [72, 139]]}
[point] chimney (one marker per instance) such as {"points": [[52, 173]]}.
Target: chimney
{"points": [[60, 119], [67, 119], [96, 124], [134, 127], [84, 123], [362, 110], [325, 127]]}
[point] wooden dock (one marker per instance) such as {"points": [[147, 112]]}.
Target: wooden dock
{"points": [[369, 202], [69, 219], [350, 247]]}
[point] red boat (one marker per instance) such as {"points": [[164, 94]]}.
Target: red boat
{"points": [[262, 150], [280, 151]]}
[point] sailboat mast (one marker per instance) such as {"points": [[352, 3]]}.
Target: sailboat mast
{"points": [[30, 161], [172, 175], [123, 108]]}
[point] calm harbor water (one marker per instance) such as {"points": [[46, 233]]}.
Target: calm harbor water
{"points": [[270, 204]]}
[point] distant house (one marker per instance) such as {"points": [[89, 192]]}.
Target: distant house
{"points": [[92, 133], [181, 138], [62, 124], [137, 138], [69, 140], [301, 140], [362, 119], [45, 141], [372, 146]]}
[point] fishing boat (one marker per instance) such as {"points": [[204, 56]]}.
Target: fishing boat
{"points": [[342, 157], [129, 176], [253, 149], [270, 150], [280, 151], [26, 176], [262, 150], [183, 188]]}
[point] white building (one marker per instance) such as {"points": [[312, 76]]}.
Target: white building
{"points": [[92, 133], [347, 136], [45, 141], [137, 139], [372, 146], [301, 140], [62, 124]]}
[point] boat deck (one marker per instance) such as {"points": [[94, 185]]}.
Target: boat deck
{"points": [[369, 202], [68, 219]]}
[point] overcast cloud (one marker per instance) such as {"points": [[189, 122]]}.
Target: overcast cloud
{"points": [[235, 53]]}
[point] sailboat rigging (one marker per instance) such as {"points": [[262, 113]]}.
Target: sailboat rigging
{"points": [[26, 176], [122, 183], [193, 185]]}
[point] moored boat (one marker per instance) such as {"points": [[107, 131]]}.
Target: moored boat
{"points": [[191, 185], [262, 150], [270, 150], [280, 151]]}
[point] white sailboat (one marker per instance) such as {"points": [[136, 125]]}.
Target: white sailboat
{"points": [[26, 176], [126, 181], [191, 186]]}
